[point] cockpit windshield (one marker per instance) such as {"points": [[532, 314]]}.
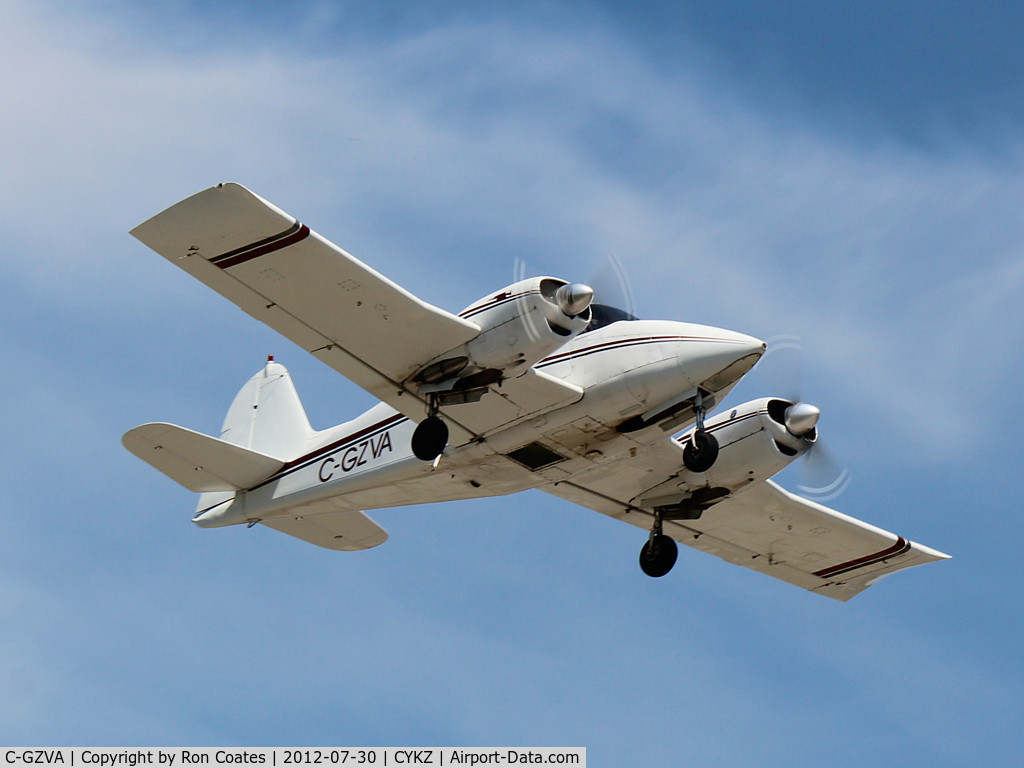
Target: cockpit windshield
{"points": [[603, 314]]}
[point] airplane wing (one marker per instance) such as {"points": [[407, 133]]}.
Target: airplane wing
{"points": [[763, 527], [357, 321], [352, 318]]}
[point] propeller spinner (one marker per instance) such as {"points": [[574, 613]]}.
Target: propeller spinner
{"points": [[574, 298], [801, 418]]}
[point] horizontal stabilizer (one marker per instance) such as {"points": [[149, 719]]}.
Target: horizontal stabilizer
{"points": [[344, 531], [199, 462]]}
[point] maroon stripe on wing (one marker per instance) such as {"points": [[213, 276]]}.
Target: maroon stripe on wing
{"points": [[294, 234], [901, 546]]}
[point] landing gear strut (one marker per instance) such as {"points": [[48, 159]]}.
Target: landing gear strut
{"points": [[659, 552], [431, 435], [702, 448]]}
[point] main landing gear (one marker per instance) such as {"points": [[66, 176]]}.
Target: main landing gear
{"points": [[702, 448], [659, 553], [431, 435]]}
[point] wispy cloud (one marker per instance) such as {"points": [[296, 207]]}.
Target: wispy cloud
{"points": [[440, 154]]}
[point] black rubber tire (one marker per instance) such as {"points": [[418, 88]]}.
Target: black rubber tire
{"points": [[700, 452], [430, 438], [658, 562]]}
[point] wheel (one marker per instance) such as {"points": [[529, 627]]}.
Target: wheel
{"points": [[430, 438], [658, 561], [700, 452]]}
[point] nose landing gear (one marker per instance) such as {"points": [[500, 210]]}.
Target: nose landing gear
{"points": [[702, 448]]}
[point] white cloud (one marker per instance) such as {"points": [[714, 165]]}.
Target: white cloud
{"points": [[439, 157]]}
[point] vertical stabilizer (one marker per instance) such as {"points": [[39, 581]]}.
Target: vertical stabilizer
{"points": [[267, 415]]}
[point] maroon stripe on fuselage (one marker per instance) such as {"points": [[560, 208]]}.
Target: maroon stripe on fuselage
{"points": [[303, 461], [389, 422], [617, 344]]}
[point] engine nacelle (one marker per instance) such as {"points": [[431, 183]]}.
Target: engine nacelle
{"points": [[754, 443], [520, 325]]}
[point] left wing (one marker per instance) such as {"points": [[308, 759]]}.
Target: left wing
{"points": [[366, 327], [762, 527], [360, 323]]}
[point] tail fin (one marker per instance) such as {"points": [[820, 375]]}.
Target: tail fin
{"points": [[267, 415], [266, 427]]}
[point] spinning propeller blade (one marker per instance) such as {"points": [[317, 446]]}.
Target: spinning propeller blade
{"points": [[822, 478], [611, 284]]}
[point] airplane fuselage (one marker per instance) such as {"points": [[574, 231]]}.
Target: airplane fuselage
{"points": [[638, 379]]}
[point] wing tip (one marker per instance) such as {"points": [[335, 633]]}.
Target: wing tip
{"points": [[928, 554]]}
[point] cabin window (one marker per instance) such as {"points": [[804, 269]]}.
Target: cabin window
{"points": [[604, 314]]}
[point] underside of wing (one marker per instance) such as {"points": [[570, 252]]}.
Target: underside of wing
{"points": [[355, 320], [797, 540], [514, 400], [329, 303], [762, 527]]}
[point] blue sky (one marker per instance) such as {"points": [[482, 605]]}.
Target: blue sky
{"points": [[847, 173]]}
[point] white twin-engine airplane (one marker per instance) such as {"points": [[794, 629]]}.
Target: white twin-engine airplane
{"points": [[535, 386]]}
